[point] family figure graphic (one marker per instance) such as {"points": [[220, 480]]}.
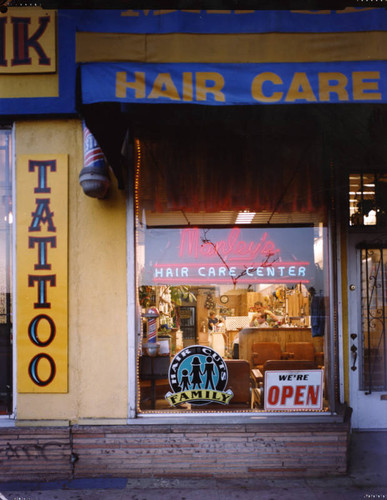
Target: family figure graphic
{"points": [[196, 381]]}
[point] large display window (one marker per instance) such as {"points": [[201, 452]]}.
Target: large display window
{"points": [[232, 275]]}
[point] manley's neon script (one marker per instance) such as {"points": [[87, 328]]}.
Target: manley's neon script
{"points": [[254, 260]]}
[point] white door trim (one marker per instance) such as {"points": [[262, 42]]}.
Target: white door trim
{"points": [[369, 411]]}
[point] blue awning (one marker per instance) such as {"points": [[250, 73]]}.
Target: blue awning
{"points": [[235, 84]]}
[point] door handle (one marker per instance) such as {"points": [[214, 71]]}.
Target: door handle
{"points": [[354, 352]]}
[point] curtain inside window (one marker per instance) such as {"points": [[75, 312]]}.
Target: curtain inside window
{"points": [[195, 172]]}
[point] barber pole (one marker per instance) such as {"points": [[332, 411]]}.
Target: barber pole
{"points": [[94, 176], [93, 155], [152, 314]]}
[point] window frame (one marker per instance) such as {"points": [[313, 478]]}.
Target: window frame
{"points": [[12, 283], [334, 379]]}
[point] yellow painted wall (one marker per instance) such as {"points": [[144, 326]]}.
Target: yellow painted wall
{"points": [[97, 288]]}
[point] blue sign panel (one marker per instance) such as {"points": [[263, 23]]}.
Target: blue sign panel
{"points": [[232, 21], [210, 84], [233, 84]]}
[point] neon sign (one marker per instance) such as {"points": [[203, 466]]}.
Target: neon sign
{"points": [[229, 255], [231, 248]]}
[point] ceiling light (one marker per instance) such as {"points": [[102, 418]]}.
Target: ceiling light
{"points": [[245, 217]]}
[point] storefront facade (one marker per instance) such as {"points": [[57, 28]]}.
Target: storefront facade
{"points": [[247, 181]]}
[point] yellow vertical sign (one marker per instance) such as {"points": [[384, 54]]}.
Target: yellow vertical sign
{"points": [[42, 273]]}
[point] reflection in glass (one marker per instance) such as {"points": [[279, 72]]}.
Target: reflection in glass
{"points": [[367, 199], [6, 221]]}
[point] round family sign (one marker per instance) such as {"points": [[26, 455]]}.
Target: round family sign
{"points": [[198, 375]]}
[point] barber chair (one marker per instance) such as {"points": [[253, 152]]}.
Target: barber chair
{"points": [[305, 351], [262, 351], [154, 383], [239, 382], [288, 364]]}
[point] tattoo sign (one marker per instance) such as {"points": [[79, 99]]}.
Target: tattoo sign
{"points": [[198, 375], [42, 227]]}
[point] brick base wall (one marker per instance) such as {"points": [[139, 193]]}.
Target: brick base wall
{"points": [[35, 453], [235, 450]]}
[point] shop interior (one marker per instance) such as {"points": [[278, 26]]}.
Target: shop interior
{"points": [[225, 319], [233, 310]]}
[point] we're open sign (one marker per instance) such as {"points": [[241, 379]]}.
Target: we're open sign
{"points": [[293, 390]]}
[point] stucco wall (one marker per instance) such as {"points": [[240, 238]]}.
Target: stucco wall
{"points": [[97, 288]]}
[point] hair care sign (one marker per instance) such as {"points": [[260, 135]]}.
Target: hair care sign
{"points": [[293, 390], [214, 84], [229, 255], [41, 258]]}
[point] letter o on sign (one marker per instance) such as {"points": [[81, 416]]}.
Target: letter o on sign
{"points": [[273, 395], [33, 330], [33, 370]]}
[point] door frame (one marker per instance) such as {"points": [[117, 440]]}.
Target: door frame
{"points": [[369, 411]]}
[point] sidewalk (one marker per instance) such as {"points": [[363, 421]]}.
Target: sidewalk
{"points": [[367, 479]]}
